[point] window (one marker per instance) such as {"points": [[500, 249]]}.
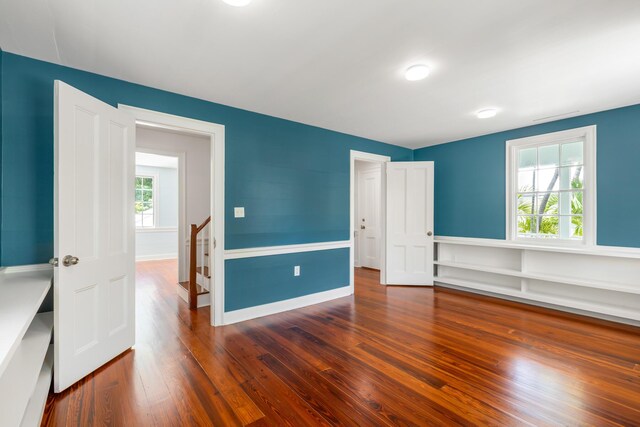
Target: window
{"points": [[551, 187], [145, 201]]}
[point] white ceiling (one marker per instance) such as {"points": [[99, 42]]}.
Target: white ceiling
{"points": [[339, 64], [156, 160]]}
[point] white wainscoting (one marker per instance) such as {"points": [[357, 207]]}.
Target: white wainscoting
{"points": [[599, 281], [293, 303]]}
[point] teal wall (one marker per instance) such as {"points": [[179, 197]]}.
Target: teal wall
{"points": [[470, 178], [292, 179]]}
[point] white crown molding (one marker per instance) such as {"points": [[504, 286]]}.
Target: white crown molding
{"points": [[285, 249], [286, 305]]}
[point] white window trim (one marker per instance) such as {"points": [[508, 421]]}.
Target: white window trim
{"points": [[588, 134], [156, 204]]}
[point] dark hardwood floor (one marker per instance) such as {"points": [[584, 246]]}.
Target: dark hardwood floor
{"points": [[387, 356]]}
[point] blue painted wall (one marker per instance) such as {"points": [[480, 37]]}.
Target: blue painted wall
{"points": [[292, 179], [262, 280], [470, 178]]}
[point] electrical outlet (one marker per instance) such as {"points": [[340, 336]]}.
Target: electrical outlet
{"points": [[238, 212], [296, 270]]}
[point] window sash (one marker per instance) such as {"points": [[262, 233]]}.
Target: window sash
{"points": [[141, 190], [567, 204]]}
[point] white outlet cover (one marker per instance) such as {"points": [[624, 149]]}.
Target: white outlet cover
{"points": [[296, 270], [238, 212]]}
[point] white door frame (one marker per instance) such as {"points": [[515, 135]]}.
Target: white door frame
{"points": [[216, 134], [377, 158], [182, 204]]}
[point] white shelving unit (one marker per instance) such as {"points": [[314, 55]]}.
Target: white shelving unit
{"points": [[603, 281], [26, 356]]}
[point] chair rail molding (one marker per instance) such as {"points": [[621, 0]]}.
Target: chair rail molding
{"points": [[285, 249]]}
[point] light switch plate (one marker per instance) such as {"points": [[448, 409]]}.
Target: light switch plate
{"points": [[296, 270], [238, 212]]}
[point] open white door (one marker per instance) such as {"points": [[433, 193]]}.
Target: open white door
{"points": [[409, 242], [94, 282]]}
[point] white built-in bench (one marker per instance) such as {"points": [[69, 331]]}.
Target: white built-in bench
{"points": [[26, 353]]}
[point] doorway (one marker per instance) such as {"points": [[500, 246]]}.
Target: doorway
{"points": [[363, 162], [368, 214], [199, 147], [171, 160]]}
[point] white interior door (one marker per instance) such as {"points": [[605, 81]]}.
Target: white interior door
{"points": [[368, 220], [409, 242], [94, 282]]}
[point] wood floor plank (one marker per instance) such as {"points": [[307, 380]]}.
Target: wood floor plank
{"points": [[385, 356]]}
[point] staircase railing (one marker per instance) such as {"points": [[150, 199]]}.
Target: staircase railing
{"points": [[193, 262]]}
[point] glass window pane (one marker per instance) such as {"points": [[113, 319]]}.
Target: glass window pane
{"points": [[147, 196], [525, 180], [148, 183], [138, 182], [571, 177], [526, 225], [576, 227], [572, 153], [571, 203], [547, 203], [548, 156], [146, 207], [525, 204], [138, 195], [549, 226], [547, 179], [527, 158], [147, 220]]}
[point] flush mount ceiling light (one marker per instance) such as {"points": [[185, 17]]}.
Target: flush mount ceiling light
{"points": [[417, 72], [487, 113], [237, 3]]}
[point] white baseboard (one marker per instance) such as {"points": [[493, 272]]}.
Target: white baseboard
{"points": [[26, 268], [157, 257], [286, 305]]}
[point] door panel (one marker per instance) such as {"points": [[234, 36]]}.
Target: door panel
{"points": [[93, 220], [409, 223]]}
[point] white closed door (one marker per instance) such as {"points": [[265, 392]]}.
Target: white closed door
{"points": [[409, 225], [94, 281], [368, 221]]}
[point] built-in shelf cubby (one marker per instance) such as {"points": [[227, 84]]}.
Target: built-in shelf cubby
{"points": [[26, 353], [603, 281]]}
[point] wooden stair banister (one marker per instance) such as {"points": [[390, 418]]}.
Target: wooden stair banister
{"points": [[193, 262]]}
